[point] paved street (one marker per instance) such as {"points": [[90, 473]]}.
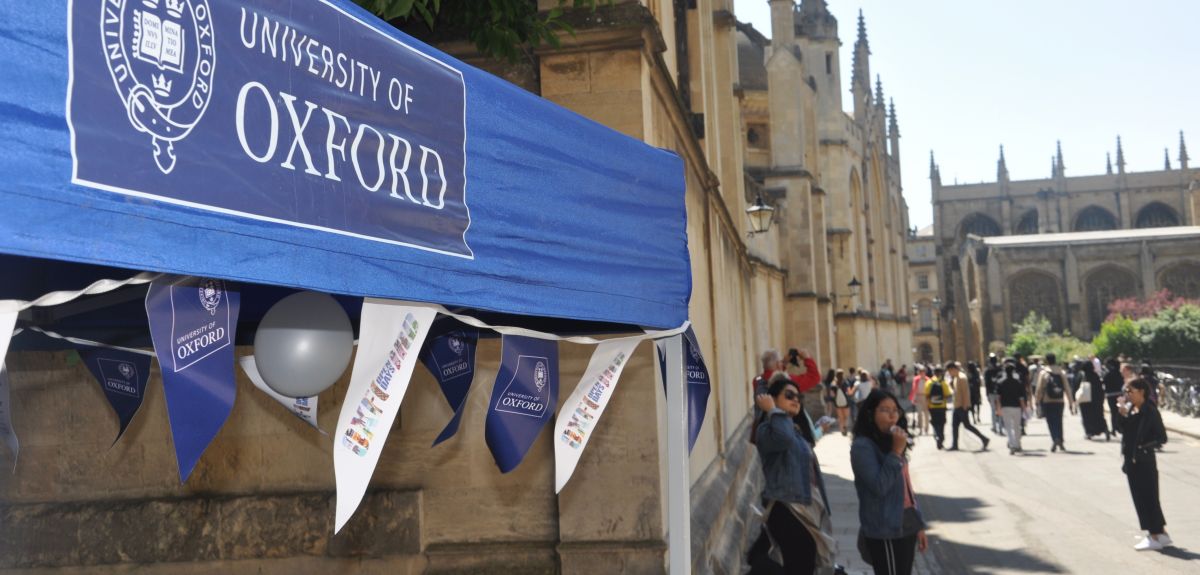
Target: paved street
{"points": [[1039, 512]]}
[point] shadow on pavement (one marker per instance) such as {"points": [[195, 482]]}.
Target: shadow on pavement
{"points": [[974, 558], [1180, 553]]}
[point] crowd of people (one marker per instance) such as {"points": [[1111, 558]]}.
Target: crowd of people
{"points": [[797, 534]]}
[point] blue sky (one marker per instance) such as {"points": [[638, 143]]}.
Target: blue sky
{"points": [[970, 75]]}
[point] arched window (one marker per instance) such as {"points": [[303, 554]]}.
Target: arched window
{"points": [[926, 353], [1156, 215], [1033, 291], [979, 225], [1182, 280], [1028, 223], [1105, 285], [1094, 219]]}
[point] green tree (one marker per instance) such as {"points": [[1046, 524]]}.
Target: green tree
{"points": [[1033, 337], [1118, 336], [498, 28], [1173, 333]]}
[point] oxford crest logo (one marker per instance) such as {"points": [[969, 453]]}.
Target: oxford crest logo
{"points": [[210, 295], [161, 57], [126, 370], [539, 375], [456, 344]]}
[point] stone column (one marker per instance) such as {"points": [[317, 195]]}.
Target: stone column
{"points": [[1146, 268]]}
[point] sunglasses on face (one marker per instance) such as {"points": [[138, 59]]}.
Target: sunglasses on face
{"points": [[791, 395]]}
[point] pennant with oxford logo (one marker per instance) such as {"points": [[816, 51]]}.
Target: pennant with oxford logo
{"points": [[304, 408], [523, 398], [390, 338], [581, 411], [193, 323], [451, 360], [122, 376], [698, 385]]}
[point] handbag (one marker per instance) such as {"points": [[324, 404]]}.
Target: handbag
{"points": [[1084, 394]]}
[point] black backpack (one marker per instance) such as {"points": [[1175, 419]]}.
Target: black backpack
{"points": [[937, 393], [1054, 385]]}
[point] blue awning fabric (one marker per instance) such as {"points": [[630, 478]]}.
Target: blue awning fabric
{"points": [[306, 144]]}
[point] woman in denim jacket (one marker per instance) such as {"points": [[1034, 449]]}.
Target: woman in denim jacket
{"points": [[797, 512], [891, 523]]}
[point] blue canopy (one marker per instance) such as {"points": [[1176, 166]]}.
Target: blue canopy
{"points": [[306, 144]]}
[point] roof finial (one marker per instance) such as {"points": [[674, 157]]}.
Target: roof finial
{"points": [[1120, 157], [1183, 155], [862, 28], [893, 124], [935, 173], [878, 91], [1002, 167], [1058, 161], [1108, 162], [1167, 159]]}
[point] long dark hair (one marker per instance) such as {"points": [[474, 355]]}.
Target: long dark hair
{"points": [[864, 425], [801, 420]]}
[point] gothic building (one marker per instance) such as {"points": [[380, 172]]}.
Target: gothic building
{"points": [[1064, 247], [835, 180]]}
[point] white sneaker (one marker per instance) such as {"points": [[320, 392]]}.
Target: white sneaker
{"points": [[1165, 540], [1148, 544]]}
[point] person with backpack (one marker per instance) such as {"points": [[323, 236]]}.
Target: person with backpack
{"points": [[962, 404], [916, 396], [1091, 402], [936, 394], [991, 379], [841, 400], [1052, 394], [1011, 402]]}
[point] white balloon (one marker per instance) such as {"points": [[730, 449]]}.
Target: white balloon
{"points": [[303, 344]]}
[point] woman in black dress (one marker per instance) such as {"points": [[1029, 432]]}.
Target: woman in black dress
{"points": [[975, 383], [1092, 412]]}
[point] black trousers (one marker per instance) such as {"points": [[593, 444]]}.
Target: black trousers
{"points": [[937, 416], [962, 417], [892, 556], [1143, 485], [1054, 416], [1114, 413], [794, 541]]}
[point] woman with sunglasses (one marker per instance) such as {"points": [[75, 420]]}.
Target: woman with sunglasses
{"points": [[892, 526], [796, 507], [1142, 431]]}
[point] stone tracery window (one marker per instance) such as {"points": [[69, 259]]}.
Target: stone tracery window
{"points": [[1104, 286], [1095, 218], [1156, 215], [980, 225], [1028, 223], [1182, 280], [1033, 291]]}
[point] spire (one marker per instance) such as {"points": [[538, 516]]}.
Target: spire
{"points": [[878, 91], [1167, 159], [893, 125], [1058, 160], [1001, 167], [1120, 157], [1183, 156], [860, 76], [935, 173], [1108, 162]]}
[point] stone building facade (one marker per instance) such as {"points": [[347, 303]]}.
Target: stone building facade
{"points": [[261, 497], [1064, 247], [835, 179], [923, 289]]}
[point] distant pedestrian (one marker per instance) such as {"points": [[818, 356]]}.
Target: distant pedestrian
{"points": [[1113, 389], [827, 394], [890, 519], [1053, 394], [1012, 400], [991, 378], [917, 396], [962, 404], [975, 384], [860, 390], [936, 395], [1142, 433], [841, 400], [1091, 403], [886, 377]]}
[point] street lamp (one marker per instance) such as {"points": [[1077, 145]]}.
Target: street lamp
{"points": [[760, 216], [853, 285]]}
